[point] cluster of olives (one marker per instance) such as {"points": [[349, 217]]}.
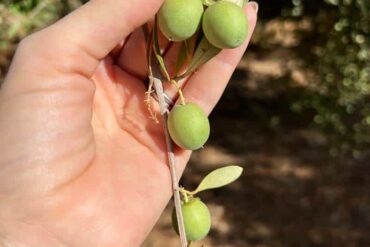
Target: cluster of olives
{"points": [[224, 23]]}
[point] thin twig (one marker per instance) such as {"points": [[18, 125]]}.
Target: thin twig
{"points": [[155, 73], [171, 159], [156, 78]]}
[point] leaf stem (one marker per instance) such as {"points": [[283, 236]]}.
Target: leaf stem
{"points": [[184, 194], [181, 95]]}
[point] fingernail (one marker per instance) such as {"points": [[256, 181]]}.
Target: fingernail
{"points": [[254, 5]]}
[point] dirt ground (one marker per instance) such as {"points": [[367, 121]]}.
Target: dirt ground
{"points": [[292, 192]]}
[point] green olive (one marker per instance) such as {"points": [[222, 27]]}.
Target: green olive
{"points": [[240, 3], [180, 19], [225, 25], [188, 126], [197, 219]]}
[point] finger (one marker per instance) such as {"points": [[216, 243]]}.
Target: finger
{"points": [[206, 86], [77, 43], [100, 25], [118, 49], [133, 58]]}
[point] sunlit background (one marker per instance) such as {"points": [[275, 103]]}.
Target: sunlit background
{"points": [[296, 115]]}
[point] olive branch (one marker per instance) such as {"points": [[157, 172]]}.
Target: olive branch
{"points": [[194, 52], [157, 75]]}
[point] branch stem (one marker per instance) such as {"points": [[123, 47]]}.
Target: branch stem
{"points": [[179, 90], [171, 159], [156, 78]]}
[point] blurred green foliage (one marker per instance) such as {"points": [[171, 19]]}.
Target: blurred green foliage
{"points": [[340, 95], [18, 18], [345, 73], [336, 49]]}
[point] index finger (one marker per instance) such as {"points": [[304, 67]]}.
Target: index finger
{"points": [[206, 86]]}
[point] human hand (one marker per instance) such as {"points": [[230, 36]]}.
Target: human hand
{"points": [[82, 163]]}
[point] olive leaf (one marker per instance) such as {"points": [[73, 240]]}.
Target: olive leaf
{"points": [[204, 52], [181, 58], [145, 30], [148, 40], [157, 51], [219, 177], [185, 54]]}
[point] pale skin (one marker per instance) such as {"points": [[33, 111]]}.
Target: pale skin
{"points": [[82, 163]]}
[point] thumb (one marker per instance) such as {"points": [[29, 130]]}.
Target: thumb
{"points": [[100, 25], [77, 43], [46, 99]]}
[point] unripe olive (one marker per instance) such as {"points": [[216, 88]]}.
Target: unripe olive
{"points": [[240, 3], [180, 19], [188, 126], [197, 219], [225, 25]]}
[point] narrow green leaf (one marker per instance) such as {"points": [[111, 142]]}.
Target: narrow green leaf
{"points": [[186, 53], [157, 51], [149, 40], [204, 52], [182, 57], [146, 33], [162, 65], [219, 177]]}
